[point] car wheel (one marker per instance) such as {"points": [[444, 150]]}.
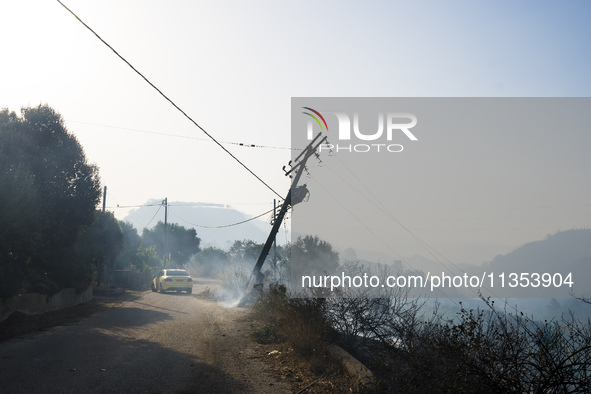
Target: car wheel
{"points": [[189, 291], [161, 289], [152, 287]]}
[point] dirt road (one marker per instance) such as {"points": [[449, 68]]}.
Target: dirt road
{"points": [[151, 343]]}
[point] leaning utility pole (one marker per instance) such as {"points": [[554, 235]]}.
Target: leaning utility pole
{"points": [[291, 199], [275, 239]]}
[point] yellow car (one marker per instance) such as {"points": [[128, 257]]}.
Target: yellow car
{"points": [[172, 279]]}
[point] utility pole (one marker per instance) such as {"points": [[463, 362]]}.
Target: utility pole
{"points": [[165, 202], [104, 199], [105, 269], [298, 167], [275, 238]]}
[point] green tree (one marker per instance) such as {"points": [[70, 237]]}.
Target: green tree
{"points": [[181, 242], [135, 255], [210, 261], [48, 195], [19, 235], [129, 256], [98, 248], [19, 227], [312, 256], [148, 259], [246, 251]]}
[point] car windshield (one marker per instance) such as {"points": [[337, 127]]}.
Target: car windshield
{"points": [[177, 273]]}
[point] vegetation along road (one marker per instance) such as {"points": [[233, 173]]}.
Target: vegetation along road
{"points": [[149, 343]]}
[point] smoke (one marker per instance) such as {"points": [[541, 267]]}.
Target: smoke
{"points": [[232, 269], [232, 282], [221, 280]]}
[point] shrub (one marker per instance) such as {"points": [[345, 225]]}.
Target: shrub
{"points": [[267, 335], [301, 321]]}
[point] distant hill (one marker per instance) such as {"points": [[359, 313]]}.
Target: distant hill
{"points": [[564, 252], [194, 215], [563, 249]]}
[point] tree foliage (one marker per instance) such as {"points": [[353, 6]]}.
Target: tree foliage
{"points": [[135, 255], [48, 195], [99, 246], [174, 241], [210, 261], [312, 256], [245, 251], [131, 242]]}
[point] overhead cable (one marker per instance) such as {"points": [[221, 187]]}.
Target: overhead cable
{"points": [[223, 226], [168, 99], [158, 210], [183, 136], [431, 250], [370, 230]]}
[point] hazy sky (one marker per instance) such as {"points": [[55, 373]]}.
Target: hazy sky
{"points": [[234, 65], [483, 174]]}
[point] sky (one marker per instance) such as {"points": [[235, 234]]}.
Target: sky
{"points": [[233, 67]]}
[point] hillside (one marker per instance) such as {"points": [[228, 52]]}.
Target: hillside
{"points": [[564, 252]]}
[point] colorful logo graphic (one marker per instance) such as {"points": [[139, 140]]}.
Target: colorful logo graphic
{"points": [[316, 119]]}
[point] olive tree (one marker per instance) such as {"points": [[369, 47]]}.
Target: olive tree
{"points": [[48, 196]]}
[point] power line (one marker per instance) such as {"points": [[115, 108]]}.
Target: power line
{"points": [[223, 226], [378, 204], [159, 205], [368, 228], [169, 100], [183, 136], [197, 204], [158, 210], [385, 210], [133, 206]]}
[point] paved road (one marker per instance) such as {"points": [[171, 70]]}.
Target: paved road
{"points": [[152, 343]]}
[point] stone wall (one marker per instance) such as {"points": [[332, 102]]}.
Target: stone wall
{"points": [[34, 303]]}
